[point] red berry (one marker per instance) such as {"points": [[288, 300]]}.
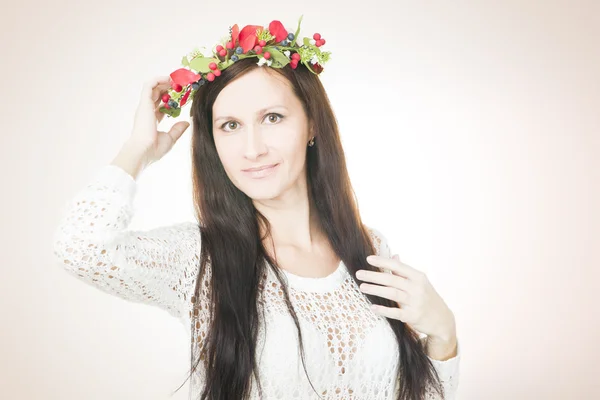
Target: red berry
{"points": [[322, 42], [212, 65], [176, 87], [229, 45], [262, 43], [223, 52], [295, 56], [165, 98], [317, 36], [167, 105], [210, 76], [319, 43], [267, 55], [217, 72], [294, 66], [258, 49], [219, 48]]}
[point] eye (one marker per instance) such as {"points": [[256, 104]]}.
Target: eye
{"points": [[272, 118], [277, 117], [229, 124]]}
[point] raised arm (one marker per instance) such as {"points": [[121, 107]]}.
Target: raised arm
{"points": [[92, 242]]}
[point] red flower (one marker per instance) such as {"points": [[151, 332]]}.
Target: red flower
{"points": [[276, 29], [185, 97], [235, 31], [248, 37], [184, 76]]}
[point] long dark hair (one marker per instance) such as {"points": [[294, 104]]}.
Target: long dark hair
{"points": [[232, 245]]}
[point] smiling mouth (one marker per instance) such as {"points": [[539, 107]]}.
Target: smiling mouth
{"points": [[260, 172], [259, 168]]}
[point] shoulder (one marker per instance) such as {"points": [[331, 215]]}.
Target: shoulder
{"points": [[188, 238], [379, 241], [189, 230]]}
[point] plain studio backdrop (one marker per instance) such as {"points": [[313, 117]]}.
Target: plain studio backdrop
{"points": [[472, 134]]}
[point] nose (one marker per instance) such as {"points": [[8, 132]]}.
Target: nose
{"points": [[255, 145]]}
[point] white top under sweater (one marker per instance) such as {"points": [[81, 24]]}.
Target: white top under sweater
{"points": [[350, 352]]}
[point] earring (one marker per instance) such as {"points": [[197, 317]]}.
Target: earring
{"points": [[311, 142]]}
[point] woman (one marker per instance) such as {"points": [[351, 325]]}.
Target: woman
{"points": [[270, 278]]}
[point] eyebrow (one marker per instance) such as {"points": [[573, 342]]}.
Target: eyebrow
{"points": [[259, 112]]}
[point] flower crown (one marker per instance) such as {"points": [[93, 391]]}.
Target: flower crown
{"points": [[274, 47]]}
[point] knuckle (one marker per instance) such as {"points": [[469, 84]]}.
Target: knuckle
{"points": [[397, 295], [398, 280]]}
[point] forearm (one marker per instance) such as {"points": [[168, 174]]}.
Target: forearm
{"points": [[130, 158]]}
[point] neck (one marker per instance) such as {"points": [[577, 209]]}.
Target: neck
{"points": [[293, 219]]}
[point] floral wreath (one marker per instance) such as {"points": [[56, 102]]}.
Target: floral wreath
{"points": [[274, 46]]}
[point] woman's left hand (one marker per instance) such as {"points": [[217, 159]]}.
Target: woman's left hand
{"points": [[419, 304]]}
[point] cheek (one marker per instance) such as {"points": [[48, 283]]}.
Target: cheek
{"points": [[295, 152], [289, 144], [228, 156]]}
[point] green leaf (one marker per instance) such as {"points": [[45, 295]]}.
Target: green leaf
{"points": [[298, 28], [200, 64], [306, 41], [173, 112], [185, 62], [309, 66], [279, 59], [225, 64]]}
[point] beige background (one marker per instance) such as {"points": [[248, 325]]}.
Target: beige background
{"points": [[472, 136]]}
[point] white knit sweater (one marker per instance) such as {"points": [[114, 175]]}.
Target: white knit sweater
{"points": [[350, 352]]}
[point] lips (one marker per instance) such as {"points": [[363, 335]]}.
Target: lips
{"points": [[259, 168], [261, 172]]}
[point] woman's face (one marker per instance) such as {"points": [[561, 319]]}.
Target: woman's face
{"points": [[259, 122]]}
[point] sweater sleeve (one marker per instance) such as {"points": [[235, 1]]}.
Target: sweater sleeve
{"points": [[92, 242], [448, 370]]}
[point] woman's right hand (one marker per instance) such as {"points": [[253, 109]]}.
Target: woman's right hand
{"points": [[154, 144]]}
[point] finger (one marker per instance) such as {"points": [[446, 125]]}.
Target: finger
{"points": [[177, 130], [397, 267], [158, 114], [155, 103], [390, 312], [159, 90], [397, 258], [383, 278], [390, 293], [158, 101], [150, 85]]}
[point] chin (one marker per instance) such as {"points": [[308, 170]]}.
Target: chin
{"points": [[263, 193]]}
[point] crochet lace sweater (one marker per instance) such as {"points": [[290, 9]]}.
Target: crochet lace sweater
{"points": [[350, 352]]}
